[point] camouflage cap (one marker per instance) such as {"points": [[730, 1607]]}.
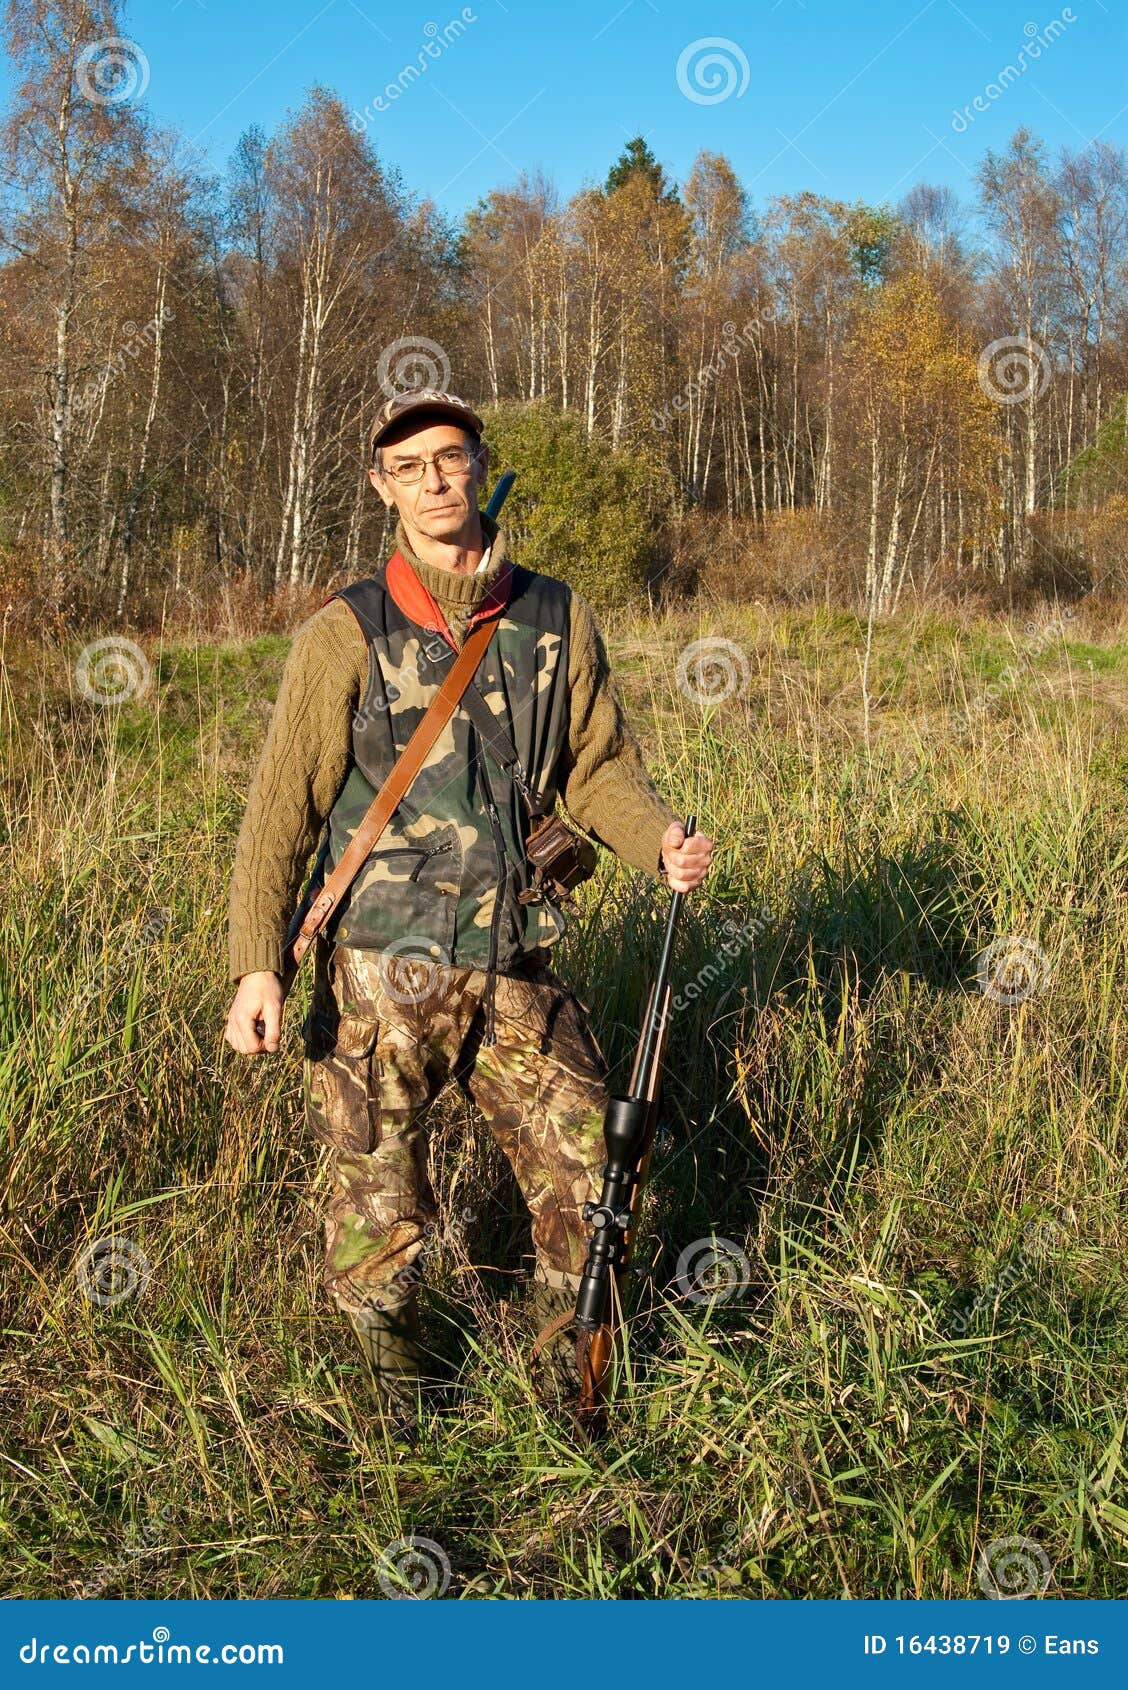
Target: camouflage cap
{"points": [[421, 399]]}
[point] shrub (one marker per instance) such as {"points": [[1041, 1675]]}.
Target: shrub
{"points": [[579, 510], [1083, 551], [783, 557]]}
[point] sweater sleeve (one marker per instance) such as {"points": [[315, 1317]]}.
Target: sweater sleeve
{"points": [[604, 782], [301, 769]]}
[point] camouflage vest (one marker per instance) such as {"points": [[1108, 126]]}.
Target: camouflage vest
{"points": [[444, 877]]}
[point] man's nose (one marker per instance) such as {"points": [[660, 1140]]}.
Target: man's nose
{"points": [[433, 478]]}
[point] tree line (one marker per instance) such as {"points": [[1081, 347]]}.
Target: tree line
{"points": [[191, 361]]}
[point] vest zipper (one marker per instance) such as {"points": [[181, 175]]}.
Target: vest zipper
{"points": [[490, 1036], [423, 852]]}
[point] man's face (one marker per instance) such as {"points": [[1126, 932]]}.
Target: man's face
{"points": [[442, 504]]}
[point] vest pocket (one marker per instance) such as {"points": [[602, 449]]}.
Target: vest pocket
{"points": [[406, 893]]}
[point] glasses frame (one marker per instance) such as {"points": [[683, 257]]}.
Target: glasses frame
{"points": [[473, 453]]}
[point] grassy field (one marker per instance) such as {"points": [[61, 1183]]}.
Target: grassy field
{"points": [[895, 1113]]}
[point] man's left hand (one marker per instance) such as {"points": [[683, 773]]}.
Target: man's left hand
{"points": [[686, 861]]}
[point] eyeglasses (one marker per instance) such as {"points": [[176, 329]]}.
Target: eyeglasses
{"points": [[452, 460]]}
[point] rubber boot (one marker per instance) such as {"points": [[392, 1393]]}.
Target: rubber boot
{"points": [[389, 1339], [552, 1294]]}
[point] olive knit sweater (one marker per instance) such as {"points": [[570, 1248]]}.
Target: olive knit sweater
{"points": [[308, 750]]}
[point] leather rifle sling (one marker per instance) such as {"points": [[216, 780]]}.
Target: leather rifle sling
{"points": [[407, 766]]}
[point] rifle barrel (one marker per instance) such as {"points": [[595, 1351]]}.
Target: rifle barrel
{"points": [[654, 1020], [500, 493]]}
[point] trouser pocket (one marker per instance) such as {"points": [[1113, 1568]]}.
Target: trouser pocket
{"points": [[341, 1097]]}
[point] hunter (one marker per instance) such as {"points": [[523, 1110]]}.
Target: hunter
{"points": [[433, 966]]}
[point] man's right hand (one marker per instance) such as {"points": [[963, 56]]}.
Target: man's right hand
{"points": [[254, 1021]]}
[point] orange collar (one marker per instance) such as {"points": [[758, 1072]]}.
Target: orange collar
{"points": [[419, 604]]}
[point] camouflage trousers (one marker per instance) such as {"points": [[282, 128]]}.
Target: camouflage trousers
{"points": [[383, 1036]]}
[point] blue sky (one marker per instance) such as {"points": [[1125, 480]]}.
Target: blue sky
{"points": [[848, 101]]}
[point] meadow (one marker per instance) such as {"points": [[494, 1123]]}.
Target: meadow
{"points": [[894, 1118]]}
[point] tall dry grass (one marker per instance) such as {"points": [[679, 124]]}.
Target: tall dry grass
{"points": [[912, 1344]]}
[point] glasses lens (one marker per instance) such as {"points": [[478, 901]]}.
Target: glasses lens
{"points": [[451, 461]]}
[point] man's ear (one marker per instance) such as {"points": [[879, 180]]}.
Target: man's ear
{"points": [[482, 464], [381, 486]]}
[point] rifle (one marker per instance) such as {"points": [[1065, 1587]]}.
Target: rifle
{"points": [[629, 1127], [317, 877]]}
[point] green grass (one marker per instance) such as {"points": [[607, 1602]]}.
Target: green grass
{"points": [[902, 1379], [1106, 659]]}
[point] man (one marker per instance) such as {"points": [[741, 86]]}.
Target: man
{"points": [[433, 964]]}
